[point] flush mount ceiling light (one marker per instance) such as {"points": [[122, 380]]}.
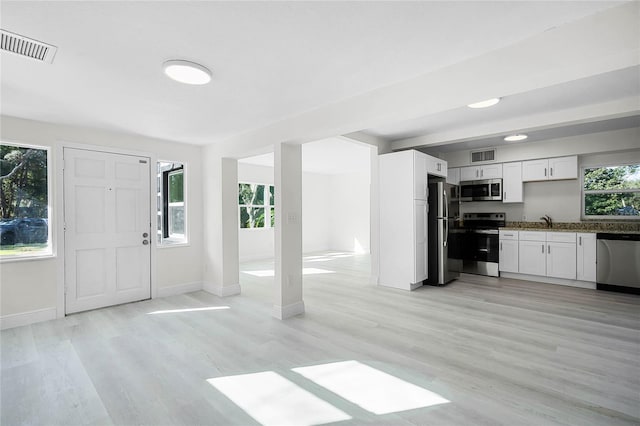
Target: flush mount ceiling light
{"points": [[186, 72], [515, 138], [485, 104]]}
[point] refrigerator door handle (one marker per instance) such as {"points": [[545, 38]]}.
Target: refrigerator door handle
{"points": [[446, 218]]}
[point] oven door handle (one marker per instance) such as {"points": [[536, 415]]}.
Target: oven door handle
{"points": [[485, 231]]}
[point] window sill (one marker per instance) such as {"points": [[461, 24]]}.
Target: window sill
{"points": [[27, 258], [173, 245]]}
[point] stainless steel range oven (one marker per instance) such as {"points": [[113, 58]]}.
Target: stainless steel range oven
{"points": [[480, 243]]}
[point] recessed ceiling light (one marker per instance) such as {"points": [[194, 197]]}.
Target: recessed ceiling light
{"points": [[515, 138], [485, 104], [186, 72]]}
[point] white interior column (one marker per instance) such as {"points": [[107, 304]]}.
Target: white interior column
{"points": [[221, 265], [288, 231], [374, 217]]}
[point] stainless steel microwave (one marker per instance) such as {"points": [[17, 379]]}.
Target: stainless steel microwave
{"points": [[481, 190]]}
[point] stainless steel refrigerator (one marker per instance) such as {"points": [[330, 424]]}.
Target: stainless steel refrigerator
{"points": [[444, 211]]}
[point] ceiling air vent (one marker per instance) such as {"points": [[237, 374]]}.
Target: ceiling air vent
{"points": [[26, 47], [480, 156]]}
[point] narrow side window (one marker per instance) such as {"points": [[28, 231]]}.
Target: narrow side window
{"points": [[172, 214]]}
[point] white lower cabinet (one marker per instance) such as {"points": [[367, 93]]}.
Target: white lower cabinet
{"points": [[508, 260], [532, 257], [586, 257], [549, 254], [420, 243], [561, 260]]}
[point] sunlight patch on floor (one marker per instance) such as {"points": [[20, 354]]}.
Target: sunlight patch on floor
{"points": [[173, 311], [369, 388], [273, 400], [272, 273]]}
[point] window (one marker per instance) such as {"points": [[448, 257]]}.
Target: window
{"points": [[172, 227], [611, 192], [24, 201], [254, 204]]}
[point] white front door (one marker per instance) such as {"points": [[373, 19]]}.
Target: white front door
{"points": [[107, 229]]}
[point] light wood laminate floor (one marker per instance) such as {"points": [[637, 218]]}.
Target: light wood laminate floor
{"points": [[502, 352]]}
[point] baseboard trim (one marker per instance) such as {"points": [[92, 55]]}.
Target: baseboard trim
{"points": [[549, 280], [221, 291], [288, 311], [27, 318], [179, 289]]}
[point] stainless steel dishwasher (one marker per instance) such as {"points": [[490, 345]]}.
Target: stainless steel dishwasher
{"points": [[618, 262]]}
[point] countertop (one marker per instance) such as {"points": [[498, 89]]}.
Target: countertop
{"points": [[610, 227]]}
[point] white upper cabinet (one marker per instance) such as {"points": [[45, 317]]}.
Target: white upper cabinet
{"points": [[487, 171], [533, 170], [436, 166], [420, 184], [563, 167], [512, 182], [550, 169], [453, 175]]}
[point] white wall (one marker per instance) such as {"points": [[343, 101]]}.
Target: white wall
{"points": [[32, 285], [559, 199], [335, 213], [316, 212], [349, 219]]}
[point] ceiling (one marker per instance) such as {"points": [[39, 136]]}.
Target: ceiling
{"points": [[271, 61]]}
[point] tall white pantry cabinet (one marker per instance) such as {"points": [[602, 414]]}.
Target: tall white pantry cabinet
{"points": [[403, 219]]}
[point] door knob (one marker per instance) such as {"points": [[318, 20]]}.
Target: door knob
{"points": [[145, 242], [145, 235]]}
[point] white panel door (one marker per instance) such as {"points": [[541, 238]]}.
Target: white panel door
{"points": [[107, 229]]}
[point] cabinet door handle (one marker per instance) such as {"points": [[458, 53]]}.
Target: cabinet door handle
{"points": [[548, 249], [500, 246], [504, 195], [545, 172], [542, 248], [476, 172], [481, 172], [551, 171], [579, 241]]}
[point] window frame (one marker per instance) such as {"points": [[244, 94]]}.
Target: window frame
{"points": [[50, 251], [584, 192], [162, 209], [267, 206]]}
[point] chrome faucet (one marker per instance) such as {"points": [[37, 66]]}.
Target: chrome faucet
{"points": [[547, 220]]}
